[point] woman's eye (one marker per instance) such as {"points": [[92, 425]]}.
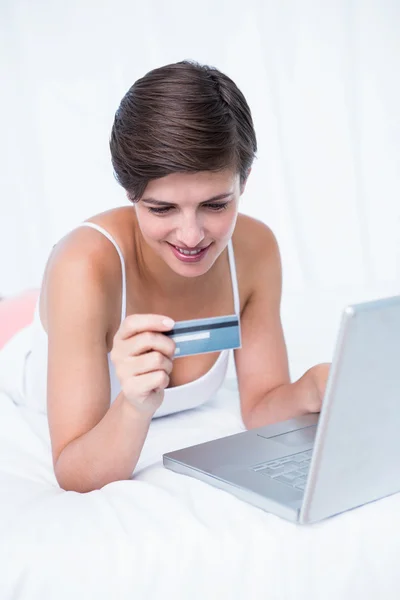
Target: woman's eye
{"points": [[160, 211], [163, 210], [216, 207]]}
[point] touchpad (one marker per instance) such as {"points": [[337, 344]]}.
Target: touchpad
{"points": [[299, 437]]}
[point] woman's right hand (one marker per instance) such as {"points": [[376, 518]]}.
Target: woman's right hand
{"points": [[142, 357]]}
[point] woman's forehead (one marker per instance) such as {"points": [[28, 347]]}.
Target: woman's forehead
{"points": [[192, 187]]}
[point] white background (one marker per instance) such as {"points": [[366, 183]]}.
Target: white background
{"points": [[322, 80]]}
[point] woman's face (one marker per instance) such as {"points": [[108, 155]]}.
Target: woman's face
{"points": [[188, 218]]}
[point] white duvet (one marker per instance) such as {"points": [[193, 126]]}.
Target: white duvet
{"points": [[164, 535]]}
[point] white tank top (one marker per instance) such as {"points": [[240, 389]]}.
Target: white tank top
{"points": [[176, 399]]}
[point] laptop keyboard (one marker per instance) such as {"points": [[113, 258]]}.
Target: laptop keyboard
{"points": [[292, 470]]}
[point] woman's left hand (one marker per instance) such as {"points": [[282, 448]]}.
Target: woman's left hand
{"points": [[317, 377]]}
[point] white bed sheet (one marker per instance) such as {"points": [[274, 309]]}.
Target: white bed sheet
{"points": [[166, 535]]}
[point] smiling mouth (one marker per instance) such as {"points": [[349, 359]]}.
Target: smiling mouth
{"points": [[188, 252]]}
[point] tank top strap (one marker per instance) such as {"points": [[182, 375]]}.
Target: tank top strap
{"points": [[235, 287], [121, 258]]}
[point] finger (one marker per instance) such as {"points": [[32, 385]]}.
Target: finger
{"points": [[134, 324], [145, 363], [143, 385], [148, 342]]}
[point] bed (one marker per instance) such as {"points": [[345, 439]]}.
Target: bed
{"points": [[166, 535]]}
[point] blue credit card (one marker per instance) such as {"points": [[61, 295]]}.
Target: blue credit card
{"points": [[199, 336]]}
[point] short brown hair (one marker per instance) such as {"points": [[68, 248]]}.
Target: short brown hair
{"points": [[183, 117]]}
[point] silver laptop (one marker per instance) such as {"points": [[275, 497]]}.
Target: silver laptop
{"points": [[317, 466]]}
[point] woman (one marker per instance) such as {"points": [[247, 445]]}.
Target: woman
{"points": [[182, 146]]}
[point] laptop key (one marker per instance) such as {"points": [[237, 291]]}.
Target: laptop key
{"points": [[286, 478], [271, 472], [285, 459], [298, 457], [299, 481], [300, 486], [267, 465], [273, 464], [259, 467], [293, 474], [291, 466]]}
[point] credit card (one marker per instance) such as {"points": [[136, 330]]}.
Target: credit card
{"points": [[199, 336]]}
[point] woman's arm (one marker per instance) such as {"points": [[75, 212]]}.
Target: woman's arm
{"points": [[92, 443], [266, 393], [107, 452]]}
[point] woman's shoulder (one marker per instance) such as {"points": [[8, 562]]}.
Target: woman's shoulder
{"points": [[88, 245], [254, 243], [257, 256], [82, 257]]}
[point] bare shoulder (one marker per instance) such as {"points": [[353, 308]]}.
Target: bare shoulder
{"points": [[82, 267], [256, 253], [250, 234]]}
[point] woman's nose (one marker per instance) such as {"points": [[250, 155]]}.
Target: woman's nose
{"points": [[190, 234]]}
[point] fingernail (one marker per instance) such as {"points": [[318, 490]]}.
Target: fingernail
{"points": [[168, 322]]}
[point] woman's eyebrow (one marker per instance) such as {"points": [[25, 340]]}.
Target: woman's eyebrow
{"points": [[150, 200]]}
